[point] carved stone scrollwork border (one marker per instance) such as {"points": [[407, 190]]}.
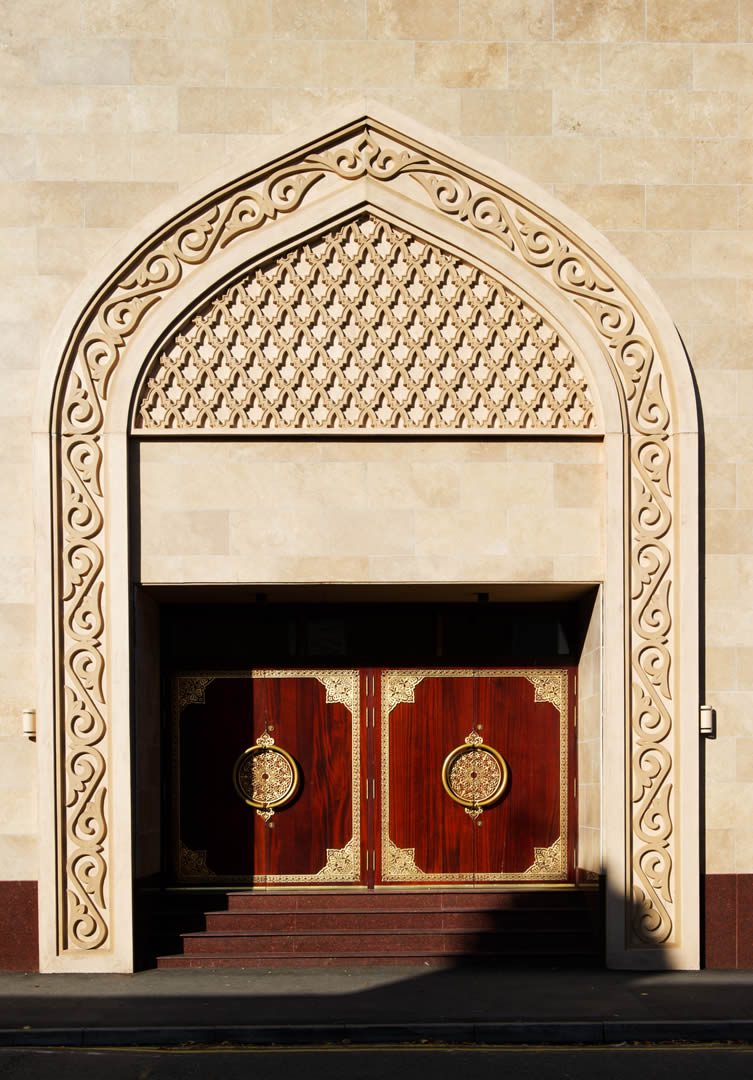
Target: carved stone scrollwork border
{"points": [[543, 245]]}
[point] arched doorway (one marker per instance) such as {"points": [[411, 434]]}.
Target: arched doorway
{"points": [[565, 278]]}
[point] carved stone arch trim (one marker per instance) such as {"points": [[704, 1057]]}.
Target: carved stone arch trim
{"points": [[81, 455]]}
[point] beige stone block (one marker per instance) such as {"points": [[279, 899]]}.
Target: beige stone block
{"points": [[548, 65], [17, 533], [721, 799], [743, 760], [723, 161], [41, 299], [17, 157], [36, 203], [172, 62], [589, 763], [743, 835], [644, 66], [692, 20], [599, 112], [607, 206], [559, 159], [486, 112], [15, 445], [599, 20], [722, 67], [73, 250], [432, 20], [697, 300], [647, 161], [279, 63], [510, 484], [722, 347], [589, 808], [744, 657], [19, 760], [578, 485], [225, 19], [321, 19], [568, 532], [745, 219], [118, 204], [39, 109], [472, 64], [723, 253], [216, 110], [506, 20], [722, 570], [557, 451], [654, 253], [182, 158], [721, 480], [83, 157], [18, 61], [18, 858], [84, 60], [18, 251], [129, 109], [367, 63], [691, 207], [719, 393], [129, 18], [744, 485], [438, 532], [438, 107], [16, 579], [588, 854], [496, 147], [746, 20], [43, 18], [721, 669], [734, 443], [702, 114], [17, 393], [192, 532], [720, 851]]}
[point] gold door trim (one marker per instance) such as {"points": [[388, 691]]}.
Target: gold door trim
{"points": [[398, 687]]}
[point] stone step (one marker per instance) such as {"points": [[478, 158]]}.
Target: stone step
{"points": [[343, 920]]}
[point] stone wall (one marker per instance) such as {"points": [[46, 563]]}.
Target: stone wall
{"points": [[637, 113]]}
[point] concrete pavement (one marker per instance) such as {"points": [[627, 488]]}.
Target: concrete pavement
{"points": [[374, 1006]]}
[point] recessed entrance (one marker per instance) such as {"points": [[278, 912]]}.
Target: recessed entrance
{"points": [[453, 765]]}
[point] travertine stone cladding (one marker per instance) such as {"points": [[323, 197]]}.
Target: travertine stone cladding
{"points": [[110, 107], [219, 511]]}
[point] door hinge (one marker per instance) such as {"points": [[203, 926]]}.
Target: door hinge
{"points": [[575, 787], [373, 789]]}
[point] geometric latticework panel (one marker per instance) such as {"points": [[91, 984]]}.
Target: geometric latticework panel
{"points": [[366, 328]]}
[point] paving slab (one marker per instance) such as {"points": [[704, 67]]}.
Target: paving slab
{"points": [[374, 1006]]}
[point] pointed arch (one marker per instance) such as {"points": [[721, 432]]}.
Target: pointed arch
{"points": [[644, 385]]}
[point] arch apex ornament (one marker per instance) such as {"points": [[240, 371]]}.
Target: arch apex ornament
{"points": [[644, 358]]}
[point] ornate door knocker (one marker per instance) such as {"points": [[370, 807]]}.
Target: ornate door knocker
{"points": [[475, 775], [266, 776]]}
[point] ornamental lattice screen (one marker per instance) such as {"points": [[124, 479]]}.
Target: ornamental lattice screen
{"points": [[366, 327]]}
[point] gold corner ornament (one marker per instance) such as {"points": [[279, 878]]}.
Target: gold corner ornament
{"points": [[475, 775], [266, 777]]}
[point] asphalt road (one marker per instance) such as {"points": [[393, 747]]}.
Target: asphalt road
{"points": [[399, 1063]]}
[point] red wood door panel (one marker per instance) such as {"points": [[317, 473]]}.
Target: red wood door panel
{"points": [[212, 836], [427, 837], [315, 717]]}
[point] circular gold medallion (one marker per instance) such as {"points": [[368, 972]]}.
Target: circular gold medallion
{"points": [[266, 776], [474, 774]]}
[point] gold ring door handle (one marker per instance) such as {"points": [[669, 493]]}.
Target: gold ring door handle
{"points": [[475, 775], [266, 777]]}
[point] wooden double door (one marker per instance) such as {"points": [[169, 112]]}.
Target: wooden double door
{"points": [[375, 778]]}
